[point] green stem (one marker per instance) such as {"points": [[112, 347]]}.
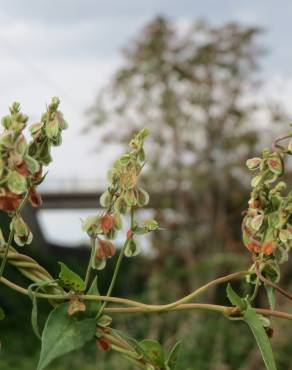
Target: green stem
{"points": [[88, 271], [143, 308], [135, 362], [200, 290], [4, 260], [117, 267], [125, 351], [114, 277]]}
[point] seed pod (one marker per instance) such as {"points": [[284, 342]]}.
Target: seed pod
{"points": [[9, 202], [22, 233], [105, 199], [253, 163], [35, 129], [132, 248], [121, 206], [142, 197], [257, 222], [105, 249], [275, 164], [16, 183], [268, 247], [32, 165], [107, 222], [52, 128], [92, 226], [34, 198]]}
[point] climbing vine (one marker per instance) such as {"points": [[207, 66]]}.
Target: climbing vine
{"points": [[79, 313]]}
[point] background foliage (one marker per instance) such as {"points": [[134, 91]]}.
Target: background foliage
{"points": [[198, 94]]}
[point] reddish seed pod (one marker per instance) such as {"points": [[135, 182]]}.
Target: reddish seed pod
{"points": [[103, 344], [107, 222], [105, 249]]}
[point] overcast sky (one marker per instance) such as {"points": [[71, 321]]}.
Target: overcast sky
{"points": [[69, 48]]}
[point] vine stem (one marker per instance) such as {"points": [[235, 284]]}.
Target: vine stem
{"points": [[143, 308], [199, 291], [11, 234]]}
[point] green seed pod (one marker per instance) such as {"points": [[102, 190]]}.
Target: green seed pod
{"points": [[132, 248], [15, 108], [253, 163], [92, 226], [6, 122], [16, 183], [105, 199], [32, 165], [36, 128], [124, 159], [130, 197], [22, 233], [6, 140], [275, 164], [98, 263], [21, 146], [142, 197], [118, 222], [257, 222], [52, 129], [121, 206]]}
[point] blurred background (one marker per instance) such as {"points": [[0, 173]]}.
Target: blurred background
{"points": [[213, 82]]}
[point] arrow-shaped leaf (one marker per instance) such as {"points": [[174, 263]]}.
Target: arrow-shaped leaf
{"points": [[63, 334]]}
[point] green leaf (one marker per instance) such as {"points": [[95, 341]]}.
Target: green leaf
{"points": [[70, 279], [63, 334], [234, 298], [154, 351], [2, 314], [255, 323], [271, 296], [173, 356], [92, 307]]}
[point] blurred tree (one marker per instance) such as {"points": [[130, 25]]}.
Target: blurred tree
{"points": [[199, 93], [196, 91]]}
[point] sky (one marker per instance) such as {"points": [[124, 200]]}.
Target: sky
{"points": [[70, 48]]}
